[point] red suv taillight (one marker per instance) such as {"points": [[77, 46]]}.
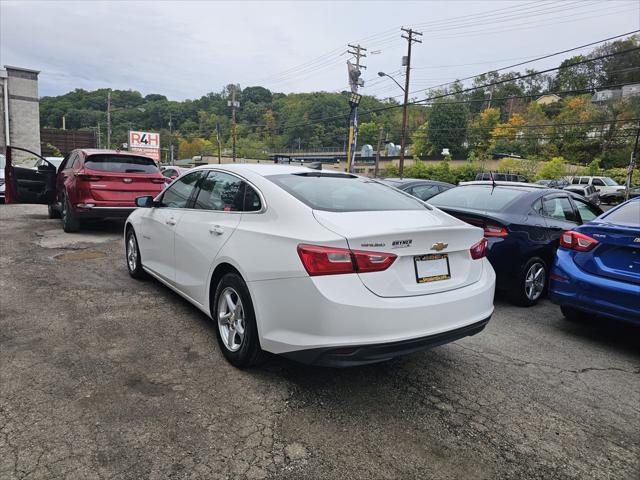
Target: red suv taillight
{"points": [[85, 177], [319, 260], [158, 180], [577, 241], [479, 250]]}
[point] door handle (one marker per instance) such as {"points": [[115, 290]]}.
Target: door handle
{"points": [[170, 221], [217, 229]]}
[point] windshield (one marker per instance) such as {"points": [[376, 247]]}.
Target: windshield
{"points": [[344, 193], [121, 164], [609, 181], [477, 197]]}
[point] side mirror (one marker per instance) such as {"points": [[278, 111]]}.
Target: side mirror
{"points": [[173, 177], [46, 167], [145, 202]]}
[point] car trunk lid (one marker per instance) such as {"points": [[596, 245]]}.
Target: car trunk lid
{"points": [[432, 249], [617, 254], [121, 187]]}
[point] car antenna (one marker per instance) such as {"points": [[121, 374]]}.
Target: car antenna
{"points": [[493, 181]]}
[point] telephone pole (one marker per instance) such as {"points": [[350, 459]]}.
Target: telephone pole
{"points": [[171, 139], [377, 167], [632, 164], [109, 119], [354, 71], [233, 104], [218, 141], [410, 38]]}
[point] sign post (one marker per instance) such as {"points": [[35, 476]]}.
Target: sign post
{"points": [[146, 143]]}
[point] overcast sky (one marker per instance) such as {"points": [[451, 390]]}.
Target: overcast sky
{"points": [[185, 49]]}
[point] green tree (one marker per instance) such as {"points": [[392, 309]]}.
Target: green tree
{"points": [[447, 126]]}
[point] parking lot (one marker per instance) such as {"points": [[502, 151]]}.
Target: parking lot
{"points": [[103, 376]]}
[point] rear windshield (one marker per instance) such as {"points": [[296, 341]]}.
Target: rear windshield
{"points": [[477, 197], [121, 164], [627, 214], [344, 193]]}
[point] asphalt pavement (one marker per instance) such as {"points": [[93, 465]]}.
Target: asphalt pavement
{"points": [[103, 376]]}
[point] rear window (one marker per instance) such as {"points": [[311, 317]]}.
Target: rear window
{"points": [[344, 193], [121, 164], [627, 214], [477, 197]]}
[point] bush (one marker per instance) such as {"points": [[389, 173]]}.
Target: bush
{"points": [[620, 175], [390, 170], [553, 169]]}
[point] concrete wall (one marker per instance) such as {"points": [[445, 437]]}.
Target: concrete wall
{"points": [[24, 109]]}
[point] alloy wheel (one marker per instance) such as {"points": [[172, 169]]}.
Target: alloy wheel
{"points": [[132, 253], [534, 281], [231, 322]]}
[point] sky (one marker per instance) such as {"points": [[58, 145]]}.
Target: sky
{"points": [[185, 49]]}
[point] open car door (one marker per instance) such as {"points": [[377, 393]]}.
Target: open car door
{"points": [[29, 184]]}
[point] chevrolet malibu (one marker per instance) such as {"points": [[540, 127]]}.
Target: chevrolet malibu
{"points": [[321, 267]]}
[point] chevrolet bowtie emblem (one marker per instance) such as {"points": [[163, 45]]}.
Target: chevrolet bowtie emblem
{"points": [[439, 246]]}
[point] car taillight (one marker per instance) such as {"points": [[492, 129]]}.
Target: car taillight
{"points": [[495, 231], [85, 177], [479, 250], [577, 241], [319, 260], [158, 180]]}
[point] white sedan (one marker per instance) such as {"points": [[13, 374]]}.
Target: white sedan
{"points": [[322, 267]]}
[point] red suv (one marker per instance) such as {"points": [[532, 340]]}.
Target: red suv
{"points": [[89, 184]]}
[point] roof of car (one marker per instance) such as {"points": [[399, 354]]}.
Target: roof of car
{"points": [[263, 169], [103, 151], [406, 181], [502, 183]]}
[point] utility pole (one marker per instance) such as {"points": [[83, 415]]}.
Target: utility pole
{"points": [[109, 119], [354, 71], [632, 164], [218, 140], [171, 160], [410, 38], [233, 104], [377, 167]]}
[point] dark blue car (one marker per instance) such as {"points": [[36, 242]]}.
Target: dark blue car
{"points": [[523, 224], [597, 267]]}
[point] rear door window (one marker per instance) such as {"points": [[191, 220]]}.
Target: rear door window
{"points": [[220, 191], [584, 180], [585, 211], [121, 164], [558, 208], [177, 195], [337, 192]]}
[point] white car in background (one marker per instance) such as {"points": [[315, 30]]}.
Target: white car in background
{"points": [[322, 267], [608, 189]]}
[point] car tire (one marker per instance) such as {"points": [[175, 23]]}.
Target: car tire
{"points": [[70, 222], [52, 211], [132, 255], [531, 283], [236, 329]]}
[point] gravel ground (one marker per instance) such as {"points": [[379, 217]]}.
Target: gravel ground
{"points": [[102, 376]]}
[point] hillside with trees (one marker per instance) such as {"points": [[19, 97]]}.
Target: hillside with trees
{"points": [[498, 113]]}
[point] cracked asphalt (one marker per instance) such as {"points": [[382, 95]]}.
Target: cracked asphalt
{"points": [[105, 377]]}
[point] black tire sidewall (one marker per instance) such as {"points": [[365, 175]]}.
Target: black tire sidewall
{"points": [[519, 295], [250, 352], [69, 221]]}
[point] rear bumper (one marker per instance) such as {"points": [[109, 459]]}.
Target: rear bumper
{"points": [[318, 314], [592, 293], [104, 212], [365, 354]]}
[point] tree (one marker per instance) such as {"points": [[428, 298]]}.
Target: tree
{"points": [[553, 169], [188, 148], [420, 141], [447, 126], [480, 130]]}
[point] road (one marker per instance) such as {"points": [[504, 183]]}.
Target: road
{"points": [[103, 376]]}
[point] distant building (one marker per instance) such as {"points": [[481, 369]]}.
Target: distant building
{"points": [[548, 99], [19, 108], [632, 90]]}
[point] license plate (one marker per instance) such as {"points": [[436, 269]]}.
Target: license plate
{"points": [[432, 267]]}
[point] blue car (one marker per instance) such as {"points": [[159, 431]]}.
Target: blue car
{"points": [[596, 271]]}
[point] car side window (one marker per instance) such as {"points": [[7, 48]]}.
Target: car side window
{"points": [[71, 162], [586, 211], [575, 180], [178, 193], [168, 172], [584, 181], [597, 182], [252, 201], [220, 191], [558, 208]]}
